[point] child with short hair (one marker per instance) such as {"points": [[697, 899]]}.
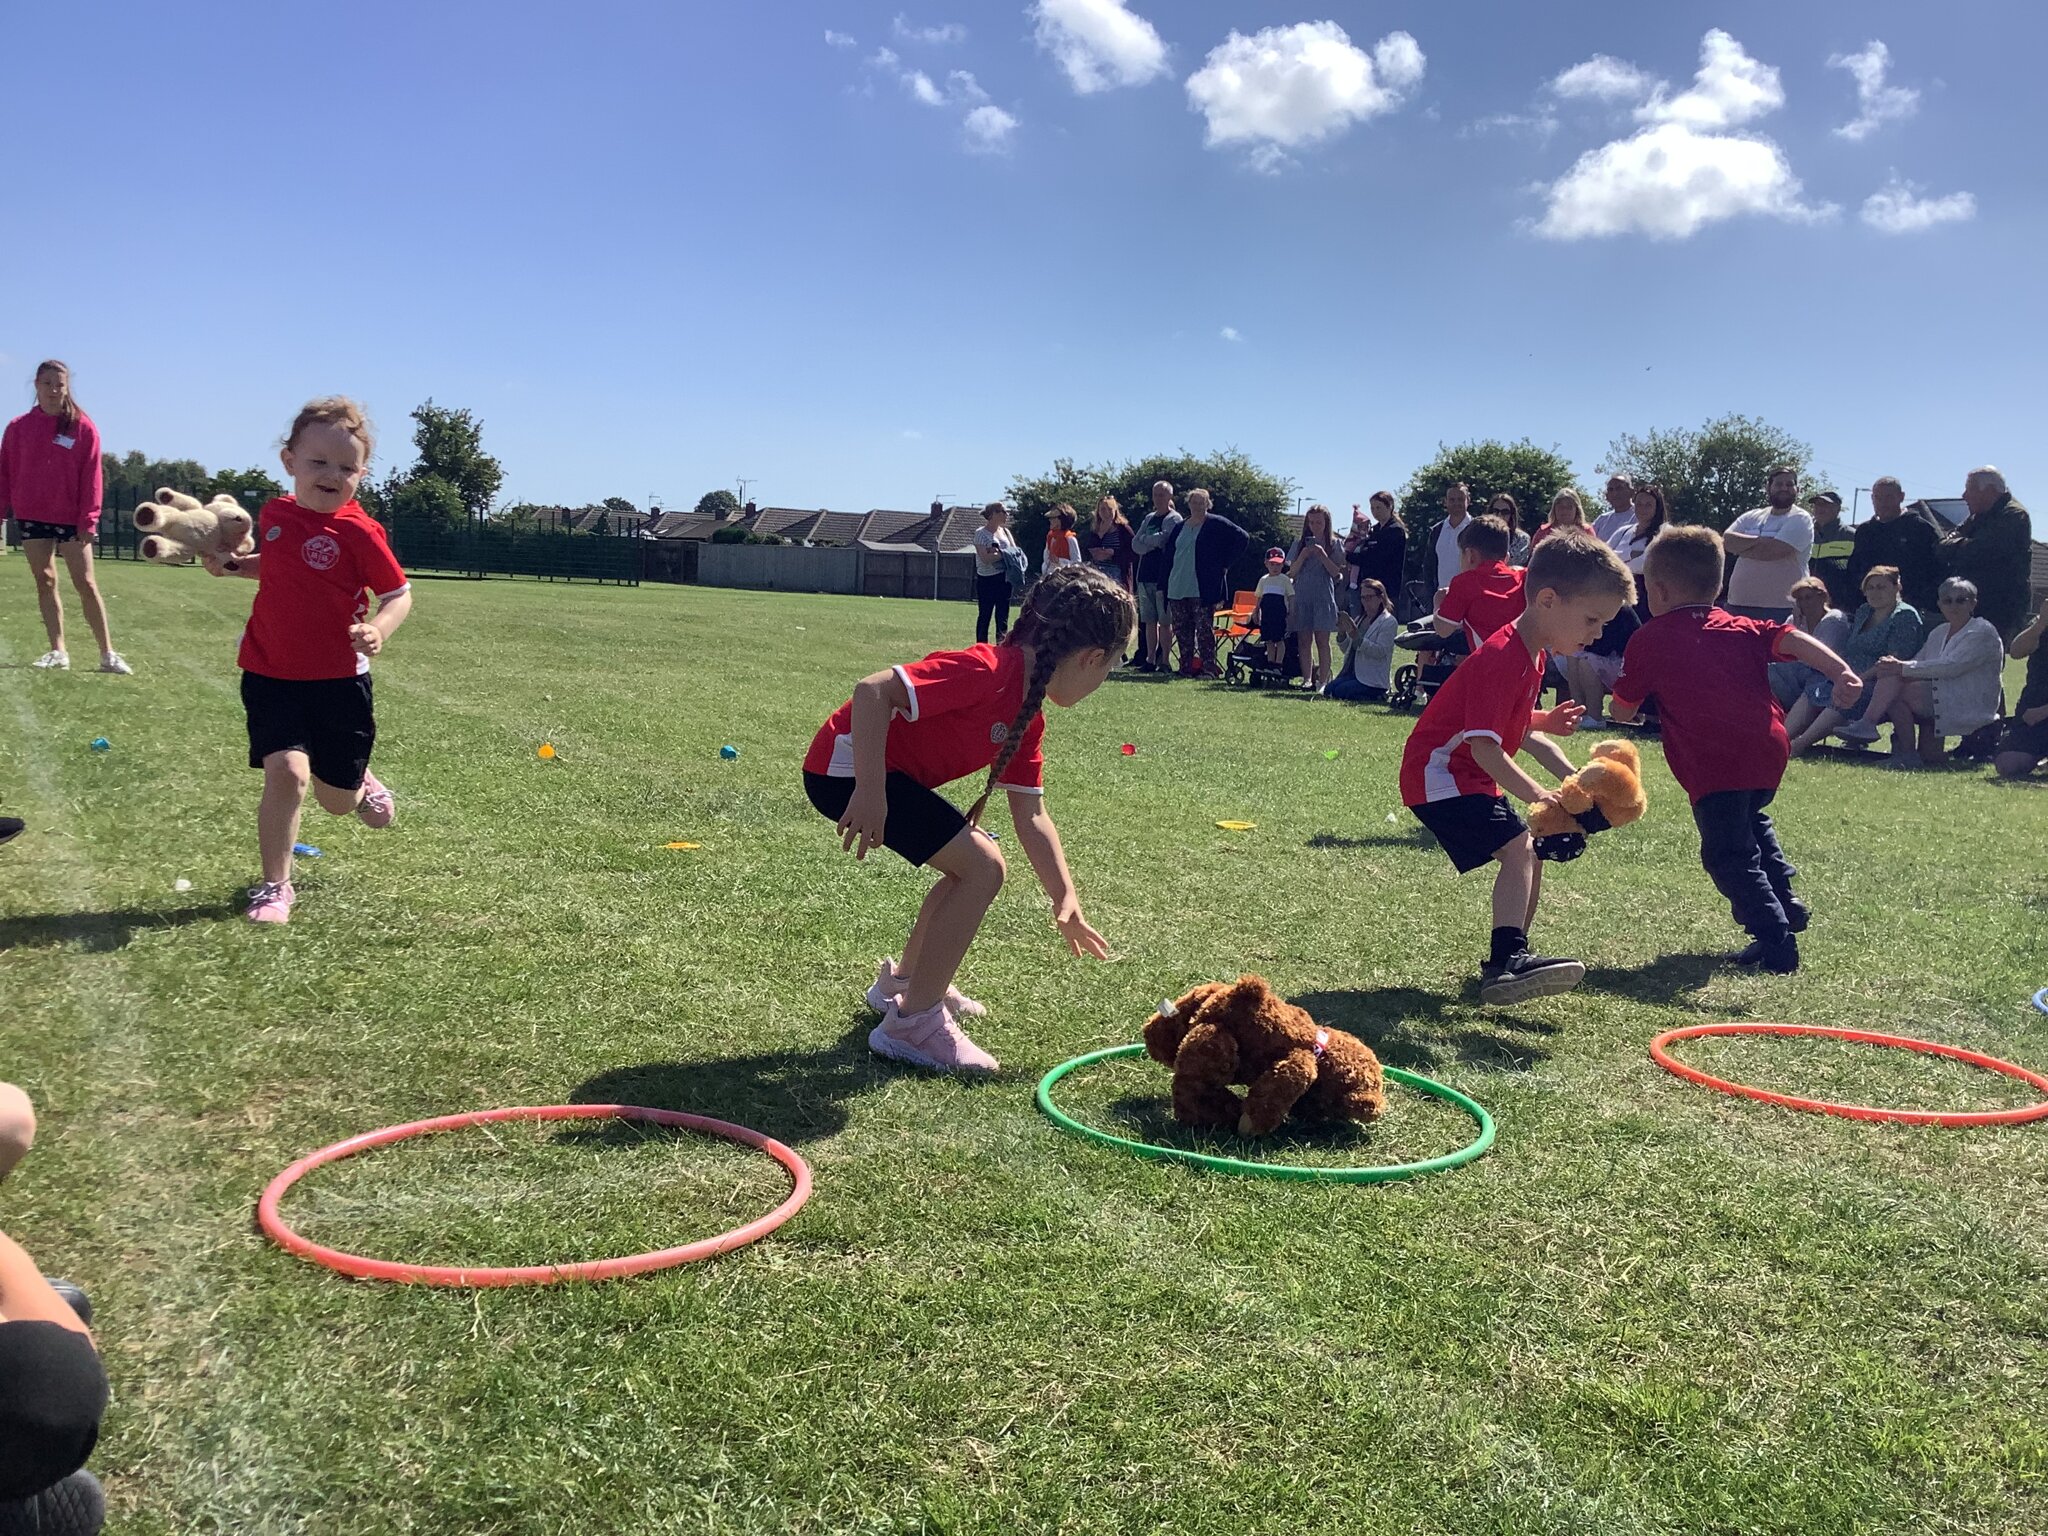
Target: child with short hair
{"points": [[875, 766], [1461, 754], [306, 652], [1486, 594], [1724, 735], [1273, 598]]}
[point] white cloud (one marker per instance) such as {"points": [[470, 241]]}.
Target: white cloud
{"points": [[1669, 181], [919, 84], [1288, 86], [1229, 333], [964, 88], [1730, 89], [989, 129], [838, 39], [1879, 103], [1536, 125], [1100, 44], [951, 32], [884, 58], [1604, 78], [1898, 208]]}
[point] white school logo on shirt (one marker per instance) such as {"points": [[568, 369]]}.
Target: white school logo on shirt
{"points": [[999, 732], [322, 551]]}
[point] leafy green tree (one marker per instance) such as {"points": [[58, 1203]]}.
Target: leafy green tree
{"points": [[251, 487], [522, 517], [718, 504], [422, 498], [1715, 474], [618, 506], [135, 477], [1238, 489], [1530, 474], [451, 450]]}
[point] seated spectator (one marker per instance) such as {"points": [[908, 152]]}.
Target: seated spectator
{"points": [[1590, 675], [1950, 689], [1882, 627], [2026, 737], [1814, 613], [1367, 663]]}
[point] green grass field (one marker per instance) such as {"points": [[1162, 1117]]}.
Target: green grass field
{"points": [[1649, 1309]]}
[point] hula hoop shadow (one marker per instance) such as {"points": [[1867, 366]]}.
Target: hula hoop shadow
{"points": [[358, 1267], [1660, 1053], [1385, 1173]]}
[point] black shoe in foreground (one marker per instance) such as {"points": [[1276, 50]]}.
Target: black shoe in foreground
{"points": [[1780, 959], [11, 827], [74, 1507], [75, 1299], [1527, 976]]}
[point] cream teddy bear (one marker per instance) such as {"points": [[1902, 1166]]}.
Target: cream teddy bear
{"points": [[179, 529]]}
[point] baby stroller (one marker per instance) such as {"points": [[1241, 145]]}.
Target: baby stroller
{"points": [[1248, 664], [1415, 681]]}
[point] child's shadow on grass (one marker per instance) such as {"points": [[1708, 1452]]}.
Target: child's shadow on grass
{"points": [[1406, 1028], [100, 932], [793, 1095], [1414, 836], [1663, 981]]}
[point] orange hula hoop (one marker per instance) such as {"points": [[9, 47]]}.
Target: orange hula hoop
{"points": [[359, 1267], [1660, 1053]]}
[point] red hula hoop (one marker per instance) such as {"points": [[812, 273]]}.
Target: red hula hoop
{"points": [[361, 1268], [2019, 1116]]}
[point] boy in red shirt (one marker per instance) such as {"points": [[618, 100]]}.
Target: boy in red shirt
{"points": [[1724, 736], [1486, 595], [305, 656], [1461, 753]]}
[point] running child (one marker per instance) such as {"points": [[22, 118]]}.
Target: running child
{"points": [[1724, 735], [1461, 753], [305, 655], [875, 766], [1273, 598], [1486, 594]]}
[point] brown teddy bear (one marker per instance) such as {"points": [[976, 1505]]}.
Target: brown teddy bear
{"points": [[1244, 1032], [1607, 792], [181, 529]]}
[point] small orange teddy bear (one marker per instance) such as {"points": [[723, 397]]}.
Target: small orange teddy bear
{"points": [[1607, 792]]}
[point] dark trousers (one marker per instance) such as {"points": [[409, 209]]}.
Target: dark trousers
{"points": [[992, 596], [1739, 847]]}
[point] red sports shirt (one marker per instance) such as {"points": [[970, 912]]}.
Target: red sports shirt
{"points": [[1491, 693], [314, 582], [961, 706], [1484, 599], [1708, 669]]}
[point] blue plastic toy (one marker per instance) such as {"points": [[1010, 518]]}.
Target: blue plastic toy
{"points": [[305, 850], [101, 744], [728, 752]]}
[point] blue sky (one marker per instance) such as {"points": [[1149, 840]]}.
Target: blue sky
{"points": [[659, 247]]}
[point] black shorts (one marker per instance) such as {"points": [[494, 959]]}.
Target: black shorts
{"points": [[2030, 739], [920, 821], [329, 719], [1472, 828], [28, 528]]}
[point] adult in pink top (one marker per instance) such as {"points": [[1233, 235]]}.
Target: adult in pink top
{"points": [[50, 486]]}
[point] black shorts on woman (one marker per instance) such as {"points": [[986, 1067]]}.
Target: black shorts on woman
{"points": [[920, 821]]}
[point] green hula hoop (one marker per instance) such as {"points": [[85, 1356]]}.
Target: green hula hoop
{"points": [[1382, 1174]]}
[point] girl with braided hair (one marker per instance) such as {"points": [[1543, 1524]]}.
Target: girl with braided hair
{"points": [[875, 767]]}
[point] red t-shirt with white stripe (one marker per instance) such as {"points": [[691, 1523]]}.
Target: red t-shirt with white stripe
{"points": [[317, 571], [961, 707], [1491, 693], [1484, 599]]}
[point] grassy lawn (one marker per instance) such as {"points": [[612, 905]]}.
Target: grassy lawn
{"points": [[1649, 1309]]}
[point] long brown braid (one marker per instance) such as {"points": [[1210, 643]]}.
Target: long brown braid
{"points": [[1073, 608]]}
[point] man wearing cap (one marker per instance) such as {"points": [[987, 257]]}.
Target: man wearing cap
{"points": [[1770, 545], [1833, 543], [1892, 536]]}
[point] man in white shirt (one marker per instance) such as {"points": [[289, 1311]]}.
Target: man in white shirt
{"points": [[1770, 545], [1457, 507], [1621, 511]]}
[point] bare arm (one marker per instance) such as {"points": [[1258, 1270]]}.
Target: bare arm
{"points": [[232, 565], [26, 1297], [1503, 770], [875, 700], [1548, 753], [1040, 840], [2028, 640], [369, 638], [1756, 548], [1797, 645]]}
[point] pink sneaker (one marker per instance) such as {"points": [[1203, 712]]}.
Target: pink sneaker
{"points": [[271, 902], [377, 808], [929, 1039], [889, 984]]}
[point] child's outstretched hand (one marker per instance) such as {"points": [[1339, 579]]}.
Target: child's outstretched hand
{"points": [[366, 638], [1081, 939], [867, 813], [1561, 721]]}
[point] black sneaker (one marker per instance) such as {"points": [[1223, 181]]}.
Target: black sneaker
{"points": [[74, 1507], [75, 1299], [1780, 959], [11, 827], [1527, 976], [1797, 913]]}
